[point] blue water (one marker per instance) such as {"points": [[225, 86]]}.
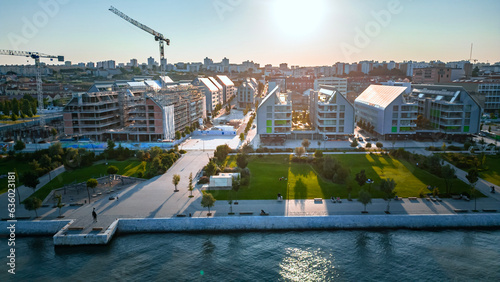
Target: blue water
{"points": [[395, 255]]}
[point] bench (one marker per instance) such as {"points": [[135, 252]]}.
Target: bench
{"points": [[246, 213], [318, 199], [76, 228], [264, 213], [398, 198], [181, 215], [485, 210], [460, 210], [412, 198], [97, 228], [455, 197]]}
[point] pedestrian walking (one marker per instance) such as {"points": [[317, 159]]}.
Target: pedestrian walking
{"points": [[94, 215]]}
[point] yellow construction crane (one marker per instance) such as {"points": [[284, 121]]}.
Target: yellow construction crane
{"points": [[158, 36], [36, 56]]}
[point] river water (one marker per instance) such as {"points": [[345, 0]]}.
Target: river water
{"points": [[392, 255]]}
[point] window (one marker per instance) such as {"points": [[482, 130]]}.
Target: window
{"points": [[269, 109], [341, 122], [394, 122], [269, 115], [394, 115], [342, 108], [341, 129], [341, 115], [395, 108]]}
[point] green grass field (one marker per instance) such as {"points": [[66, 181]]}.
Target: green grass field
{"points": [[493, 173], [127, 168], [304, 183]]}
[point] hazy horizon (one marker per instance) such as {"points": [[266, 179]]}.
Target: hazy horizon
{"points": [[306, 33]]}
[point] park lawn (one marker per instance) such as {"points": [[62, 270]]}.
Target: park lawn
{"points": [[304, 182], [129, 167], [9, 165], [493, 173]]}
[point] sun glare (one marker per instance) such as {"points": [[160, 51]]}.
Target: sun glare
{"points": [[298, 17]]}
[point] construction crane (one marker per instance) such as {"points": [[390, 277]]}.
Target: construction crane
{"points": [[158, 36], [36, 56]]}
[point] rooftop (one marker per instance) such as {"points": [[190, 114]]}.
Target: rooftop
{"points": [[380, 96]]}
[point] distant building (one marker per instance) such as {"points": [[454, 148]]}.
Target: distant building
{"points": [[491, 91], [133, 63], [432, 75], [247, 92], [229, 90], [339, 83], [212, 93]]}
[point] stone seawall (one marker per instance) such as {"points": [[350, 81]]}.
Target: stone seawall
{"points": [[29, 228], [243, 223]]}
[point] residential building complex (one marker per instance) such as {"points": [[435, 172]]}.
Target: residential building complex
{"points": [[212, 93], [449, 110], [134, 114], [331, 114], [491, 91]]}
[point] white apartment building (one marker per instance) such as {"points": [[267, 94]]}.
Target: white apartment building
{"points": [[229, 90], [274, 118], [331, 113], [247, 92], [212, 93]]}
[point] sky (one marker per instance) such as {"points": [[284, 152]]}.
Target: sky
{"points": [[298, 32]]}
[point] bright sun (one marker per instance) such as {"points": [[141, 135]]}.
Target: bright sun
{"points": [[298, 17]]}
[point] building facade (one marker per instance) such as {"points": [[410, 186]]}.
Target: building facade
{"points": [[247, 92], [331, 114], [274, 118], [229, 90]]}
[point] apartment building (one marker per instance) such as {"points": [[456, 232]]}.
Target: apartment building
{"points": [[247, 92], [388, 109], [229, 89], [491, 91], [339, 83], [331, 114], [450, 109], [211, 92], [133, 115], [432, 75], [274, 118]]}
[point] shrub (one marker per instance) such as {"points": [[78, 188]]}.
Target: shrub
{"points": [[204, 180]]}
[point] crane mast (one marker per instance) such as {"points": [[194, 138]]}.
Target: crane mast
{"points": [[36, 56], [158, 36]]}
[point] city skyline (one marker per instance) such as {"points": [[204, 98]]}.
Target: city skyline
{"points": [[316, 32]]}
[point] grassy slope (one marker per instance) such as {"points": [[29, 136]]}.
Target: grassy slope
{"points": [[8, 165]]}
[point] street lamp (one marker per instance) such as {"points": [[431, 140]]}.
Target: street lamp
{"points": [[369, 181]]}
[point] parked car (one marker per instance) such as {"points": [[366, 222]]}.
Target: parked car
{"points": [[374, 139], [360, 139], [368, 139]]}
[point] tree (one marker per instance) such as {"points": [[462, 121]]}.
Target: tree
{"points": [[306, 143], [387, 187], [91, 183], [207, 201], [19, 145], [318, 154], [365, 198], [59, 202], [175, 180], [112, 169], [354, 143], [299, 151], [447, 173], [33, 204], [45, 161], [111, 144], [190, 185], [368, 145], [221, 152], [30, 179], [178, 135], [53, 131], [211, 168], [473, 176], [361, 178], [379, 145], [242, 137], [241, 161]]}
